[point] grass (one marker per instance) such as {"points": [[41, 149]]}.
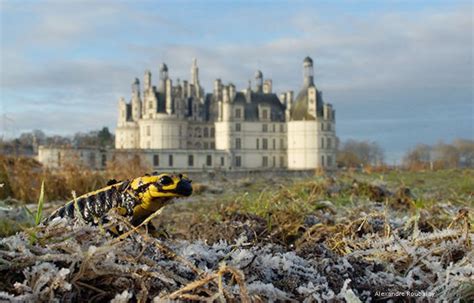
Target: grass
{"points": [[39, 210], [405, 224], [285, 205]]}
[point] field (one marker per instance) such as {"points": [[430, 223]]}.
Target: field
{"points": [[345, 236]]}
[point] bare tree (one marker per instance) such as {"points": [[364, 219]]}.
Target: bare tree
{"points": [[458, 154], [445, 156], [418, 157], [359, 153], [466, 152]]}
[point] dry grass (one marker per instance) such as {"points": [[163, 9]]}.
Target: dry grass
{"points": [[74, 262], [352, 236], [22, 177]]}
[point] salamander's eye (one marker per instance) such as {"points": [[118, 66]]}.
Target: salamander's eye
{"points": [[165, 180]]}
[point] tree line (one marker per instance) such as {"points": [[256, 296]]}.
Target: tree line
{"points": [[458, 154], [350, 153], [27, 143]]}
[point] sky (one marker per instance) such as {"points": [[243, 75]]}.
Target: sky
{"points": [[397, 72]]}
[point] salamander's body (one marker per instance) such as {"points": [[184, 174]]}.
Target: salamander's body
{"points": [[137, 198]]}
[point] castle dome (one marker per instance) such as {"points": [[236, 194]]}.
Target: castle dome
{"points": [[163, 67], [299, 110], [308, 60], [258, 74]]}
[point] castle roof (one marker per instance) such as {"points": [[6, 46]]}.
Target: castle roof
{"points": [[308, 60], [299, 110], [251, 108]]}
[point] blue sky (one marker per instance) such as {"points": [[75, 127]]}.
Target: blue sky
{"points": [[397, 72]]}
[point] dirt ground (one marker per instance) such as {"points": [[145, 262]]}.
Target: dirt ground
{"points": [[346, 237]]}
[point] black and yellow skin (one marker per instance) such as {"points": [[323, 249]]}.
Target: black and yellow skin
{"points": [[137, 198]]}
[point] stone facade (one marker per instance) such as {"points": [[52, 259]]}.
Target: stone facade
{"points": [[181, 127]]}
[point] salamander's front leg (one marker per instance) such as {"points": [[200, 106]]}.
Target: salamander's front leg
{"points": [[159, 232], [114, 230]]}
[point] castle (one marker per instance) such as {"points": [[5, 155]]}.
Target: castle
{"points": [[179, 126], [251, 129]]}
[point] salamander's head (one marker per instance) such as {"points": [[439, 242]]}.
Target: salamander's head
{"points": [[163, 186]]}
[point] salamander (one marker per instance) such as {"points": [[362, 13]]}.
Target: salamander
{"points": [[135, 198]]}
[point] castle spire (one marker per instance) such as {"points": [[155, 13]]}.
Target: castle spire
{"points": [[258, 81], [308, 73], [195, 74]]}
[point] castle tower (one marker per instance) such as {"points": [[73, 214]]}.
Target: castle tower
{"points": [[136, 101], [267, 86], [308, 73], [258, 81], [122, 116], [163, 77], [223, 126], [226, 110], [147, 81], [311, 135], [195, 74], [169, 99], [248, 93], [218, 89]]}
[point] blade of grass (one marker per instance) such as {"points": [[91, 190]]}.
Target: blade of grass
{"points": [[39, 210]]}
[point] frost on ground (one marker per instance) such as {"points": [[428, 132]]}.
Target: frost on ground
{"points": [[66, 262]]}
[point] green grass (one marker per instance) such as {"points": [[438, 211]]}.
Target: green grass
{"points": [[285, 203]]}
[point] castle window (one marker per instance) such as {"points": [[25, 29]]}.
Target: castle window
{"points": [[238, 161], [264, 128], [322, 160], [274, 127], [209, 160], [274, 161], [274, 144], [328, 143], [238, 143], [197, 132], [238, 113], [282, 128], [264, 143], [148, 130], [322, 126], [190, 160], [329, 160], [156, 160], [282, 144], [322, 142], [206, 132], [206, 145], [265, 161], [282, 161], [329, 126], [213, 132], [222, 161], [170, 160], [264, 114], [258, 143], [213, 145], [237, 127]]}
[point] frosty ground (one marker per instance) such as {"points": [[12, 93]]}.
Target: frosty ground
{"points": [[346, 237]]}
